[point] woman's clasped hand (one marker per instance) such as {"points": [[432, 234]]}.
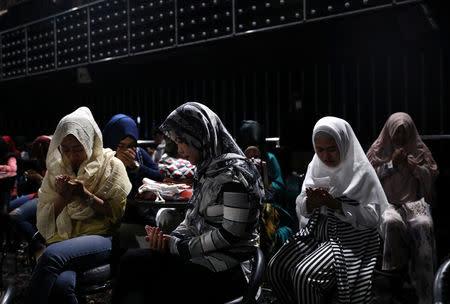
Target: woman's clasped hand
{"points": [[156, 239]]}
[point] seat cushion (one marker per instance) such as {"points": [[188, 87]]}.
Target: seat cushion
{"points": [[96, 275]]}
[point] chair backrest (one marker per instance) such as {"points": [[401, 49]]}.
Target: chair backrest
{"points": [[94, 280], [265, 174], [254, 283], [441, 288], [8, 295], [259, 264]]}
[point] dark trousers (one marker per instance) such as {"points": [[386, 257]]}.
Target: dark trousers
{"points": [[146, 275]]}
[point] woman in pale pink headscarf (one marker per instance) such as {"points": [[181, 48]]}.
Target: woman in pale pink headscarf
{"points": [[407, 171]]}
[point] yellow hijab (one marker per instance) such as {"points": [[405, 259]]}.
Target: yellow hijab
{"points": [[102, 173]]}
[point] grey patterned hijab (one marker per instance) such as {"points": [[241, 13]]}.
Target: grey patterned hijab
{"points": [[197, 126]]}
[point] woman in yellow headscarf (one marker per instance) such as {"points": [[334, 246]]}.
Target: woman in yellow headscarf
{"points": [[81, 202]]}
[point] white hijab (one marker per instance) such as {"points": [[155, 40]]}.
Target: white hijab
{"points": [[102, 174], [354, 177]]}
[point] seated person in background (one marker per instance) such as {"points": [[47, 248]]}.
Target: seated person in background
{"points": [[160, 144], [23, 209], [31, 180], [121, 134], [276, 223], [22, 147], [407, 171], [11, 144], [175, 167], [338, 248], [202, 257], [8, 159], [251, 134], [11, 165], [177, 170], [8, 163], [81, 202]]}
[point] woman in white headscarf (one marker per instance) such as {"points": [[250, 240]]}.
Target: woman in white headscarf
{"points": [[81, 202], [407, 171], [343, 199]]}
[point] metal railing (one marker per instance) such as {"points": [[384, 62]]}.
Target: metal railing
{"points": [[435, 137], [112, 29]]}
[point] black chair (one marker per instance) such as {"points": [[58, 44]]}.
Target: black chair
{"points": [[253, 294], [92, 281], [7, 296], [441, 287]]}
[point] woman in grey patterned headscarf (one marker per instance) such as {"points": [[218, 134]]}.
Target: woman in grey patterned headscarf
{"points": [[204, 253]]}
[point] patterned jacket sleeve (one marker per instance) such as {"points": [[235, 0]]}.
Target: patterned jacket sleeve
{"points": [[236, 218]]}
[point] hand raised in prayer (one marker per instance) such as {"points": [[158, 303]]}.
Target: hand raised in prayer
{"points": [[410, 164], [399, 157], [317, 197], [328, 199], [156, 239], [127, 157], [313, 199], [78, 188], [62, 186]]}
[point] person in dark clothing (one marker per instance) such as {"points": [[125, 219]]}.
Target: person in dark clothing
{"points": [[23, 209], [251, 135], [121, 134], [276, 224], [8, 164]]}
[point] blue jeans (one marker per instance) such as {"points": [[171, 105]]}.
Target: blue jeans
{"points": [[18, 202], [54, 277], [25, 220]]}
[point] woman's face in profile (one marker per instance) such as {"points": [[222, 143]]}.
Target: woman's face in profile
{"points": [[73, 150], [187, 152], [327, 151]]}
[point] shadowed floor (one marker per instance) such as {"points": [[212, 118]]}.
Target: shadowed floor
{"points": [[19, 280]]}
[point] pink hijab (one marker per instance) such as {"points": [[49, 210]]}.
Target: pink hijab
{"points": [[381, 152]]}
